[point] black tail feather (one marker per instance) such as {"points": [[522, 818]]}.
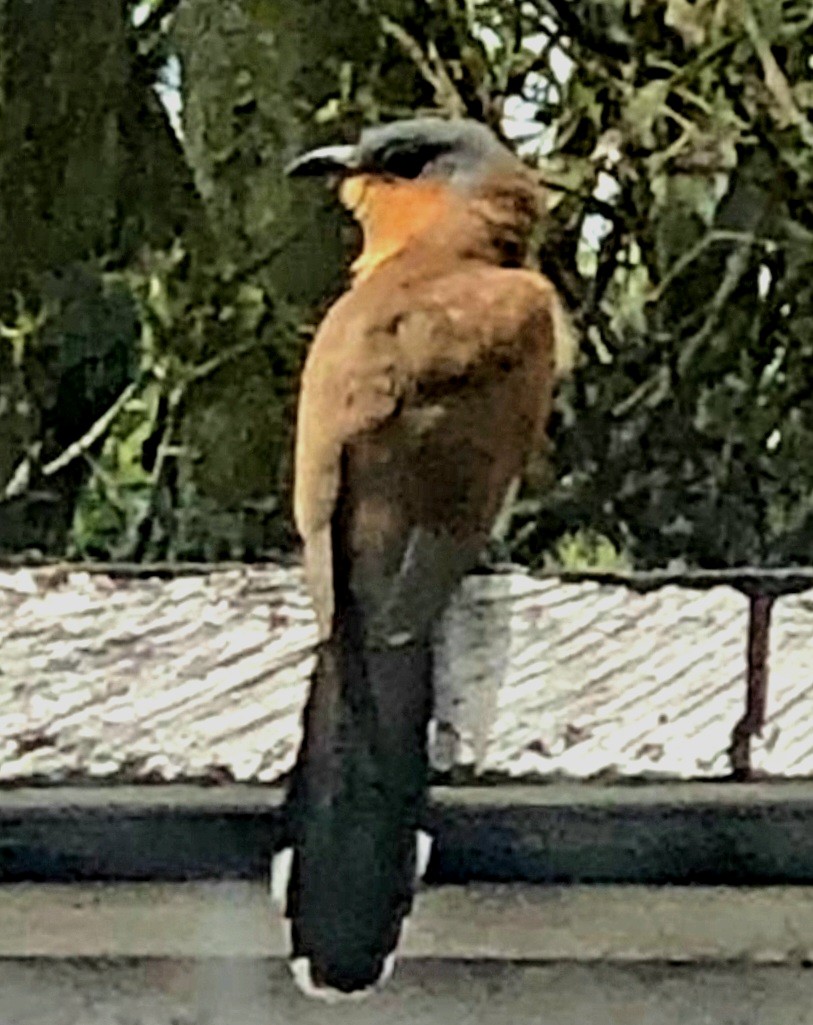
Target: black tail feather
{"points": [[356, 801]]}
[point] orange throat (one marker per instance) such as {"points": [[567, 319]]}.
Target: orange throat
{"points": [[391, 213]]}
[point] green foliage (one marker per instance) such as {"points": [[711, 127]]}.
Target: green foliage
{"points": [[676, 138], [684, 431], [584, 549], [209, 342]]}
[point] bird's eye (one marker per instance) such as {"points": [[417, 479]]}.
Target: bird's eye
{"points": [[404, 163], [409, 162]]}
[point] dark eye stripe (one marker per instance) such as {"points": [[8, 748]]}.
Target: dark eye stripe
{"points": [[407, 161]]}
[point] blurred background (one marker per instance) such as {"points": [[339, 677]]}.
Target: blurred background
{"points": [[160, 279]]}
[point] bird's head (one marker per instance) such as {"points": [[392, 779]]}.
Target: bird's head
{"points": [[402, 179], [456, 154]]}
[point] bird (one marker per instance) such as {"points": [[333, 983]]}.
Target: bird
{"points": [[426, 388]]}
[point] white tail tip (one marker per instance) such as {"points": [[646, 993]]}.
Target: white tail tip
{"points": [[303, 977], [423, 852], [280, 874]]}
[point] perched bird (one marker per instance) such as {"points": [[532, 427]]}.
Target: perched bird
{"points": [[427, 386]]}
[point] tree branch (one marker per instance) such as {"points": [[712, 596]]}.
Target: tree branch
{"points": [[736, 266], [697, 250], [775, 80], [430, 65], [576, 27], [20, 478], [143, 532]]}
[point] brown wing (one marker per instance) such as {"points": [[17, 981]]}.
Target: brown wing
{"points": [[349, 386], [418, 408]]}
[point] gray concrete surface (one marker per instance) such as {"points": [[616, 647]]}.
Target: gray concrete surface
{"points": [[620, 924], [256, 992], [213, 954]]}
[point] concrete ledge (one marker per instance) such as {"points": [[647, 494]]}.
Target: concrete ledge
{"points": [[505, 923], [258, 992], [702, 833]]}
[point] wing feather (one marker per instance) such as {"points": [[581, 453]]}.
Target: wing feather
{"points": [[412, 374]]}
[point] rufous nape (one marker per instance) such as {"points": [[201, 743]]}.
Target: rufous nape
{"points": [[427, 387]]}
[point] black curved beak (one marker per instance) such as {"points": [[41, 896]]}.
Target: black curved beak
{"points": [[325, 161]]}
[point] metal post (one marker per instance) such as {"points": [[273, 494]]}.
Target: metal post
{"points": [[750, 725]]}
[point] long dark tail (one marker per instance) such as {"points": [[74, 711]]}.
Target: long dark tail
{"points": [[355, 802]]}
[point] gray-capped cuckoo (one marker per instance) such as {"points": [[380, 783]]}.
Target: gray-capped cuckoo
{"points": [[428, 385]]}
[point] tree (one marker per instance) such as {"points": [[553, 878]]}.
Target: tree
{"points": [[688, 429], [90, 176], [675, 139]]}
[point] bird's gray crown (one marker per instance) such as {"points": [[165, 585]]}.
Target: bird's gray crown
{"points": [[460, 151]]}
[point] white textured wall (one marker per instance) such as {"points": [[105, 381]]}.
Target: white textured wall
{"points": [[205, 675]]}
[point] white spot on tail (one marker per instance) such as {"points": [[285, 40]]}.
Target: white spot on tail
{"points": [[387, 970], [303, 977], [423, 852], [301, 971], [280, 874]]}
